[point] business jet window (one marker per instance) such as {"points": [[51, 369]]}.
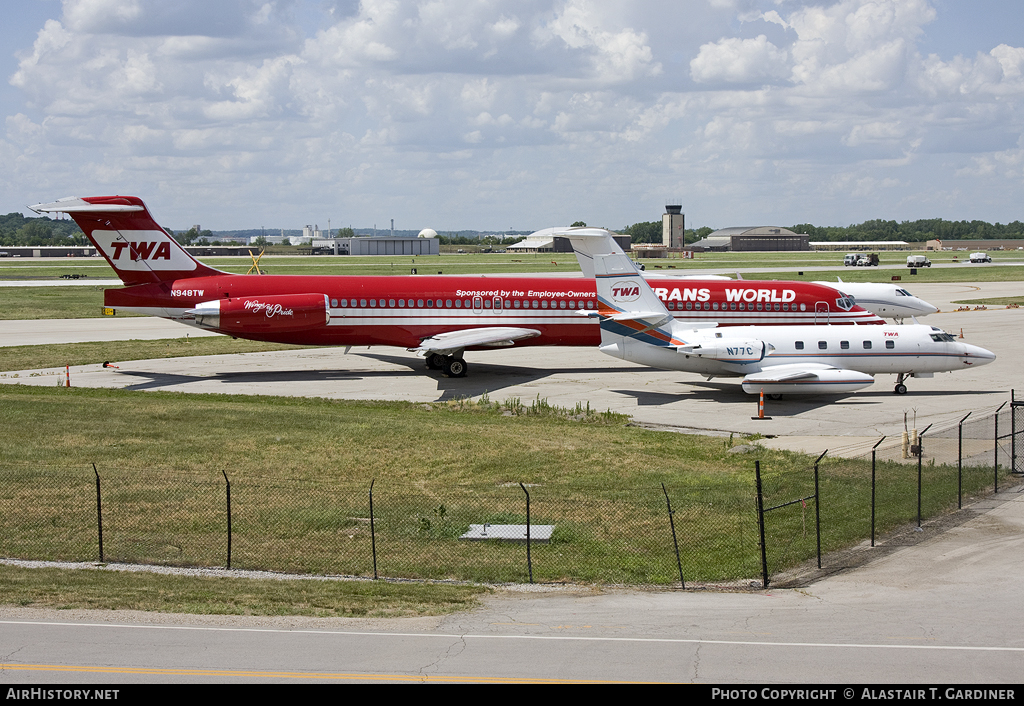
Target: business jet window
{"points": [[890, 344], [822, 345], [867, 345], [845, 345], [334, 302], [799, 345]]}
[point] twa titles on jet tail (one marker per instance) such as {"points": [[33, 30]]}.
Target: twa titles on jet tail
{"points": [[636, 326], [437, 317]]}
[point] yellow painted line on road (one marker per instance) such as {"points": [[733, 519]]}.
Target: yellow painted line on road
{"points": [[328, 676]]}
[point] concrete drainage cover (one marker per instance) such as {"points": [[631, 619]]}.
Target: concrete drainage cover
{"points": [[509, 533]]}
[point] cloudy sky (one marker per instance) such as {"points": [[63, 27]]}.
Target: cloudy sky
{"points": [[488, 114]]}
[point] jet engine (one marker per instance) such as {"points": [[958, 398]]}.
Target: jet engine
{"points": [[729, 350], [279, 312]]}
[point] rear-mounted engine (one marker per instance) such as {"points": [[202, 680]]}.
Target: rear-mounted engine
{"points": [[285, 312]]}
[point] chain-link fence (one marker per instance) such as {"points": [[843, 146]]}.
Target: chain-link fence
{"points": [[735, 533]]}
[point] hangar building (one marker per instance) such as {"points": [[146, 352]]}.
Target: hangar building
{"points": [[752, 238]]}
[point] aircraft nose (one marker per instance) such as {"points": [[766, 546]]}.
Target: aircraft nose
{"points": [[977, 355], [926, 308]]}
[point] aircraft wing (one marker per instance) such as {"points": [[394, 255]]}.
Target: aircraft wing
{"points": [[496, 336], [805, 378]]}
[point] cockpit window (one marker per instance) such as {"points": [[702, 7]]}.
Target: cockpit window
{"points": [[946, 337]]}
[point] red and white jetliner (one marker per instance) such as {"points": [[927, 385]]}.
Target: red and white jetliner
{"points": [[439, 317]]}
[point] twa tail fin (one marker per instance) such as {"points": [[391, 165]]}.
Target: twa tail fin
{"points": [[121, 228]]}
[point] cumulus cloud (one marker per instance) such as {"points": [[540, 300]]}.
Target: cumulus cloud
{"points": [[739, 61], [436, 104]]}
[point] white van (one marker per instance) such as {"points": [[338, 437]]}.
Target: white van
{"points": [[918, 261]]}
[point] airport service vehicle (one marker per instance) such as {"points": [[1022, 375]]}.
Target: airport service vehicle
{"points": [[438, 317], [886, 300], [635, 326], [918, 261], [851, 259], [980, 257], [868, 260]]}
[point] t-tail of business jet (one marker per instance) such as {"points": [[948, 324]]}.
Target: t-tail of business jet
{"points": [[635, 326]]}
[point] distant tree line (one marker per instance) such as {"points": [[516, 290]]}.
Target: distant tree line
{"points": [[910, 231], [16, 229]]}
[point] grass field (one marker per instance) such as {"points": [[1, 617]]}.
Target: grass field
{"points": [[67, 589], [301, 471]]}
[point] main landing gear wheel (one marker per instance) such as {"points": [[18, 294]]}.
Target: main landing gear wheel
{"points": [[774, 395], [901, 389], [455, 368], [435, 361]]}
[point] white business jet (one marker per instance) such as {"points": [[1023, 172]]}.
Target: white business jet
{"points": [[636, 326], [886, 300]]}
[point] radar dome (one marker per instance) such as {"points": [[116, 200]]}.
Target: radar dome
{"points": [[427, 233]]}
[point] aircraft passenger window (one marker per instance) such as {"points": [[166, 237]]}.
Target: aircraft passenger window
{"points": [[334, 302], [715, 306], [508, 304], [430, 303], [536, 304], [743, 307], [419, 303], [733, 306], [458, 303], [867, 345], [689, 306], [777, 307], [590, 305], [759, 306], [708, 306], [487, 303], [448, 303], [561, 304], [890, 344], [362, 302], [799, 345], [344, 302], [803, 307], [785, 307], [823, 345], [845, 345], [516, 304], [572, 304]]}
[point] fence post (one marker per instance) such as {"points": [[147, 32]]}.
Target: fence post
{"points": [[227, 485], [995, 452], [920, 455], [99, 510], [760, 524], [817, 506], [960, 463], [675, 542], [373, 535], [529, 561], [873, 490]]}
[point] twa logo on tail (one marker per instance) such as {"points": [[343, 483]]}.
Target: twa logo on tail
{"points": [[142, 250], [625, 291]]}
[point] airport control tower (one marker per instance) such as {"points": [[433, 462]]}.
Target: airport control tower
{"points": [[673, 226]]}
